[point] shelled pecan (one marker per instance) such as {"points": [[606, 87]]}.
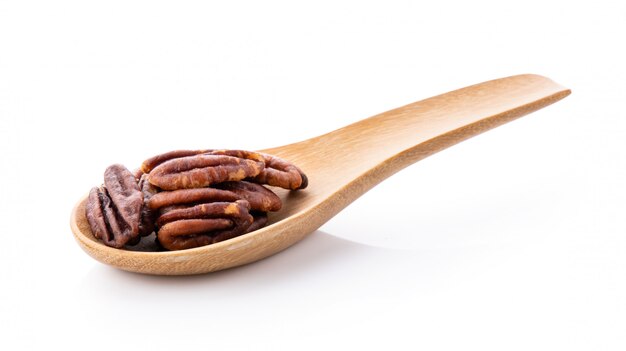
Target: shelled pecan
{"points": [[202, 170], [280, 173], [203, 224], [275, 170], [148, 216], [149, 164], [190, 196], [114, 210], [260, 221], [259, 197]]}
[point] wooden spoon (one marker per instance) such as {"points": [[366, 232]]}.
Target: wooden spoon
{"points": [[341, 166]]}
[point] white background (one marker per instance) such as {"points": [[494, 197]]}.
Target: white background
{"points": [[513, 240]]}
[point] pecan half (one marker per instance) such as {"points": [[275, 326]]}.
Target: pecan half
{"points": [[277, 172], [202, 170], [249, 155], [281, 173], [260, 220], [259, 197], [191, 196], [204, 224], [148, 216], [114, 211], [149, 164]]}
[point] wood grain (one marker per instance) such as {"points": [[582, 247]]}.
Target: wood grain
{"points": [[342, 165]]}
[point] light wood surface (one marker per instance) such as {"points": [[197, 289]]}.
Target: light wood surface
{"points": [[341, 166]]}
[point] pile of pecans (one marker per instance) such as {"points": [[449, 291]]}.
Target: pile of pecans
{"points": [[189, 198]]}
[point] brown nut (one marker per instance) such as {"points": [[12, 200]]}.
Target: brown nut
{"points": [[190, 196], [260, 221], [276, 171], [281, 173], [202, 170], [259, 197], [149, 164], [204, 224], [249, 155], [114, 211], [148, 216]]}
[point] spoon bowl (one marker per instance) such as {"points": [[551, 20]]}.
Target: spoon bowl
{"points": [[341, 166]]}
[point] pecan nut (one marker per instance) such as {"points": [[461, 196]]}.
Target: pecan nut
{"points": [[281, 173], [260, 221], [277, 172], [114, 210], [190, 196], [249, 155], [149, 164], [203, 224], [148, 216], [202, 170], [259, 197]]}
